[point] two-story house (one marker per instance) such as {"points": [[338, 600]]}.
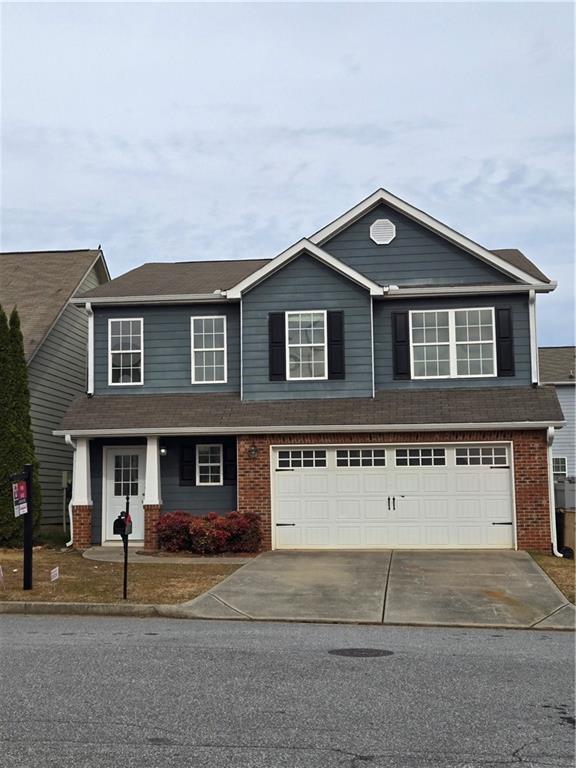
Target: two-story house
{"points": [[374, 385]]}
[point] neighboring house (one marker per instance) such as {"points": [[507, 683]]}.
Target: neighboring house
{"points": [[557, 366], [374, 385], [40, 285]]}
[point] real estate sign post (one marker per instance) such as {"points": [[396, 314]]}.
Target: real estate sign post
{"points": [[22, 499]]}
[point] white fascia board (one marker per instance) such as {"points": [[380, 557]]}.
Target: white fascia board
{"points": [[183, 298], [307, 429], [467, 290], [383, 196], [303, 246]]}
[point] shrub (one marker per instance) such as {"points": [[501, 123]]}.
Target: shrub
{"points": [[209, 535]]}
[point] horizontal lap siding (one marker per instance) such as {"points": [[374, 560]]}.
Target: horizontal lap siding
{"points": [[415, 256], [305, 284], [57, 374], [565, 438], [383, 341], [167, 348]]}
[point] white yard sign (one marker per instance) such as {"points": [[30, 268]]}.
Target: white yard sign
{"points": [[55, 574]]}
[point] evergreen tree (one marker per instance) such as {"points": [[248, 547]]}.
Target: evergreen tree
{"points": [[21, 410]]}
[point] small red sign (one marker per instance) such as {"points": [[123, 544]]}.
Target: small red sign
{"points": [[20, 498]]}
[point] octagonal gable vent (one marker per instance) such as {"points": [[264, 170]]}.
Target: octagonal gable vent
{"points": [[383, 231]]}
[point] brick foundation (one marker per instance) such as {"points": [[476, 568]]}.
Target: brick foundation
{"points": [[151, 517], [82, 526], [530, 473]]}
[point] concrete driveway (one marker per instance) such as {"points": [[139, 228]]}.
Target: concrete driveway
{"points": [[447, 588]]}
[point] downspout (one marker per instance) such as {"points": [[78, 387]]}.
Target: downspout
{"points": [[533, 337], [72, 445], [90, 350], [553, 532]]}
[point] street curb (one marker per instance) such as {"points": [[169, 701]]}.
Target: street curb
{"points": [[146, 611]]}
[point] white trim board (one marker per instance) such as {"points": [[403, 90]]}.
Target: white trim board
{"points": [[383, 196], [307, 429], [303, 246]]}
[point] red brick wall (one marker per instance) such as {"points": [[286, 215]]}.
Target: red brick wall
{"points": [[530, 472], [82, 526], [151, 517]]}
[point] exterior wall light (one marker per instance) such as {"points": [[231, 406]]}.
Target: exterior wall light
{"points": [[163, 450], [253, 451]]}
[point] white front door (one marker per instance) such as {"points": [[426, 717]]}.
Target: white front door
{"points": [[363, 497], [124, 475]]}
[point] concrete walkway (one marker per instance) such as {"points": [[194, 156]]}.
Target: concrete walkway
{"points": [[447, 588], [116, 555]]}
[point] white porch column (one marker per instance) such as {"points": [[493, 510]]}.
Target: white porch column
{"points": [[81, 487], [152, 489]]}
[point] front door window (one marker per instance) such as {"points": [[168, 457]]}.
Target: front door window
{"points": [[126, 475]]}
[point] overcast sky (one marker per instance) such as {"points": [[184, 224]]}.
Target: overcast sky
{"points": [[172, 132]]}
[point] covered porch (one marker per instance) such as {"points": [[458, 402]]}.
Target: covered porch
{"points": [[194, 474]]}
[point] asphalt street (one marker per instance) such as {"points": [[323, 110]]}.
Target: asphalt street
{"points": [[89, 692]]}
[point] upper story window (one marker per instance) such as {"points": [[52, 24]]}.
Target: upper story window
{"points": [[125, 351], [453, 343], [209, 365], [559, 467], [306, 355]]}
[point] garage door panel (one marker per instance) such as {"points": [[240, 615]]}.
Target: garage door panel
{"points": [[387, 506]]}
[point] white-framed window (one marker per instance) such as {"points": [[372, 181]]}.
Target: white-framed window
{"points": [[298, 458], [361, 457], [453, 343], [125, 351], [306, 345], [209, 359], [559, 467], [492, 456], [209, 465], [420, 457]]}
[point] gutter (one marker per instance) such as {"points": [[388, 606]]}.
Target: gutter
{"points": [[306, 428], [90, 351], [551, 502], [534, 367], [469, 290], [72, 445]]}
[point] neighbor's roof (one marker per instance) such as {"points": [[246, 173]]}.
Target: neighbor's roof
{"points": [[557, 364], [219, 413], [177, 278], [40, 284], [205, 277]]}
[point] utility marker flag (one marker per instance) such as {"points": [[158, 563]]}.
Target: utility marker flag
{"points": [[55, 573]]}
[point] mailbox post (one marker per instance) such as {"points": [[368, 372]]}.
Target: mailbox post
{"points": [[22, 499], [123, 527]]}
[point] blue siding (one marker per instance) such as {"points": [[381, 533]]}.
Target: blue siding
{"points": [[306, 284], [192, 499], [167, 348], [415, 257], [383, 340]]}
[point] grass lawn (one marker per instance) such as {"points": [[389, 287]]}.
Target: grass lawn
{"points": [[560, 570], [83, 580]]}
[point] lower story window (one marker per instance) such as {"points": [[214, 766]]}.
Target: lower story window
{"points": [[361, 457], [420, 457], [297, 459], [559, 467], [208, 465]]}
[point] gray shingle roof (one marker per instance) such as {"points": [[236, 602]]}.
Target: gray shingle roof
{"points": [[227, 412], [557, 364], [177, 278], [203, 277], [40, 284]]}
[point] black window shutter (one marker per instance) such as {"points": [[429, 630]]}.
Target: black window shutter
{"points": [[276, 346], [504, 342], [229, 454], [335, 336], [401, 345], [188, 464]]}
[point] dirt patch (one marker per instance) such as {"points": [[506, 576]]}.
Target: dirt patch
{"points": [[561, 571], [83, 580]]}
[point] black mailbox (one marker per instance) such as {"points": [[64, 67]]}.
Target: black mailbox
{"points": [[119, 528]]}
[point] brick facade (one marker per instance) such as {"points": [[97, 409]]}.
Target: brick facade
{"points": [[151, 517], [530, 473], [82, 526]]}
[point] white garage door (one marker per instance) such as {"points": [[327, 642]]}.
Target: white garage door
{"points": [[392, 496]]}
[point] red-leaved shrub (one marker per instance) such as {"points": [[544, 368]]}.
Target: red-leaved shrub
{"points": [[209, 535]]}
